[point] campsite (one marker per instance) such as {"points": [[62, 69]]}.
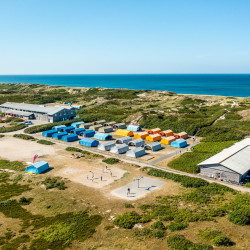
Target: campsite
{"points": [[90, 172]]}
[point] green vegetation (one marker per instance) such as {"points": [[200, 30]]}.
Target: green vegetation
{"points": [[1, 136], [179, 242], [8, 190], [12, 165], [188, 161], [73, 149], [13, 128], [24, 137], [54, 183], [128, 205], [111, 160], [127, 220], [158, 225], [45, 142], [177, 226], [184, 180]]}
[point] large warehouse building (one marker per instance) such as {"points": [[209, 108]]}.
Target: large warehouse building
{"points": [[39, 112], [231, 164]]}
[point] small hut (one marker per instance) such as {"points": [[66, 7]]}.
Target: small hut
{"points": [[119, 149], [182, 135], [79, 131], [154, 146], [140, 135], [136, 152], [120, 126], [181, 143], [103, 136], [154, 131], [167, 133], [95, 127], [58, 136], [124, 140], [70, 138], [106, 146], [37, 168], [49, 133], [134, 128], [88, 142], [137, 143], [107, 129], [88, 133], [107, 124], [77, 124], [123, 132], [101, 122], [86, 125]]}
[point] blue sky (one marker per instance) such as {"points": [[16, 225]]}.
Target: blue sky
{"points": [[132, 36]]}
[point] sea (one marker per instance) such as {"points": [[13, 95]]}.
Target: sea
{"points": [[235, 85]]}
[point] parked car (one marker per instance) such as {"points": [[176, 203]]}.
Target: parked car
{"points": [[28, 122]]}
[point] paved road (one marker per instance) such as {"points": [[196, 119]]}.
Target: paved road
{"points": [[183, 150]]}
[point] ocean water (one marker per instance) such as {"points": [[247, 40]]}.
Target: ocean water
{"points": [[201, 84]]}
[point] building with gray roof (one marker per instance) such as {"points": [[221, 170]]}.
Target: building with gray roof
{"points": [[231, 164], [39, 112]]}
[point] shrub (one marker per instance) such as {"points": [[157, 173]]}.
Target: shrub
{"points": [[179, 242], [184, 180], [1, 136], [222, 240], [144, 232], [109, 227], [54, 183], [73, 149], [209, 234], [159, 234], [158, 225], [25, 201], [45, 142], [248, 185], [177, 226], [127, 220], [240, 217], [128, 205], [24, 136], [13, 128], [111, 160]]}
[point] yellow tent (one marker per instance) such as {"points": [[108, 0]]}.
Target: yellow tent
{"points": [[155, 137], [154, 131], [140, 135], [168, 140], [124, 132]]}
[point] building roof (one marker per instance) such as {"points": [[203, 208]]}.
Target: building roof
{"points": [[236, 157], [16, 112], [50, 110]]}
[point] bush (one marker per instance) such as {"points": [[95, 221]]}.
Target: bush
{"points": [[177, 226], [158, 225], [45, 142], [222, 240], [1, 136], [108, 227], [111, 160], [159, 234], [184, 180], [12, 165], [248, 185], [240, 217], [128, 205], [54, 183], [24, 136], [127, 220], [13, 128], [179, 242], [209, 234], [73, 149]]}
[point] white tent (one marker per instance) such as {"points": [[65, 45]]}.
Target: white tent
{"points": [[124, 140], [106, 146], [137, 143], [136, 152], [119, 149]]}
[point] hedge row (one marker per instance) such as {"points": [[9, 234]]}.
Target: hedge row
{"points": [[13, 128]]}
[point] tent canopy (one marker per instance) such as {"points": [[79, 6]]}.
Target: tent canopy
{"points": [[88, 142], [137, 143], [168, 140], [181, 143], [77, 124], [154, 137], [124, 140], [140, 135], [123, 132], [119, 149], [154, 131], [167, 133], [69, 138], [102, 136], [154, 146], [59, 135], [49, 133], [58, 128], [38, 167], [136, 152], [78, 131], [134, 128], [88, 133], [68, 129], [106, 129], [106, 146]]}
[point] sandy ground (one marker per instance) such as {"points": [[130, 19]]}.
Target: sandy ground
{"points": [[91, 175], [15, 149]]}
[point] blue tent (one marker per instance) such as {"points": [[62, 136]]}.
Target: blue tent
{"points": [[181, 143], [134, 128], [59, 128], [68, 129], [88, 142], [79, 131], [38, 167], [76, 124], [88, 133], [69, 138], [49, 133], [59, 135], [103, 136]]}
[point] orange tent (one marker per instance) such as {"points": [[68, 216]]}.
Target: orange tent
{"points": [[168, 140], [154, 131], [182, 135], [155, 137], [140, 135], [167, 133]]}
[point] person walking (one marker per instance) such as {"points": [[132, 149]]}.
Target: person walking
{"points": [[101, 178]]}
